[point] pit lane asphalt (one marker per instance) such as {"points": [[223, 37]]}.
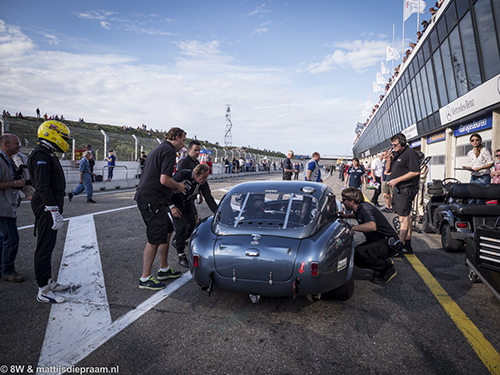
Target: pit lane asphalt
{"points": [[398, 328]]}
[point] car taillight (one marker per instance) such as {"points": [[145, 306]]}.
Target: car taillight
{"points": [[314, 269], [196, 261], [462, 224]]}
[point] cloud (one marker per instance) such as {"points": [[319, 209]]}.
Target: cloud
{"points": [[190, 92], [53, 40], [259, 11], [105, 24], [95, 15], [356, 54]]}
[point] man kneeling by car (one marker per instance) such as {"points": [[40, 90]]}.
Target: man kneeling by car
{"points": [[381, 239]]}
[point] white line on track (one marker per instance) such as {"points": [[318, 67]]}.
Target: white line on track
{"points": [[83, 323]]}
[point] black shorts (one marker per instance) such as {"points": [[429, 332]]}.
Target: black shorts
{"points": [[158, 224], [402, 200]]}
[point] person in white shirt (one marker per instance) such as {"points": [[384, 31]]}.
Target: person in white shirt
{"points": [[377, 170]]}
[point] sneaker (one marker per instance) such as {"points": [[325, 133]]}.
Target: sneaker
{"points": [[91, 201], [46, 295], [386, 276], [183, 260], [169, 274], [377, 274], [56, 287], [151, 283], [408, 250], [13, 278], [403, 251], [70, 196]]}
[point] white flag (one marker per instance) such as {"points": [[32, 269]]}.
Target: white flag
{"points": [[392, 54], [412, 6], [381, 79], [383, 69], [368, 104], [365, 113], [376, 87]]}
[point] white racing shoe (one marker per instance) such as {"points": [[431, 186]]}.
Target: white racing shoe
{"points": [[56, 287], [46, 295]]}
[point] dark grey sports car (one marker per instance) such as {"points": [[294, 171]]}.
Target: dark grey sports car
{"points": [[275, 239]]}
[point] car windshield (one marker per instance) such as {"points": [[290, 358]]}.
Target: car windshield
{"points": [[272, 210]]}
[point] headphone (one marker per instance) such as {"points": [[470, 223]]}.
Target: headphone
{"points": [[401, 139]]}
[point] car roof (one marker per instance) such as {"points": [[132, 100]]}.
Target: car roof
{"points": [[296, 187]]}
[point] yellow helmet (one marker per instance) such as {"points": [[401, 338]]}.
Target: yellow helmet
{"points": [[56, 133]]}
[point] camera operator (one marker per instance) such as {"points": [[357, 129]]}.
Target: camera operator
{"points": [[9, 196], [404, 167]]}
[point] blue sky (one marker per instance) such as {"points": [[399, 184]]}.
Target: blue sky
{"points": [[296, 73]]}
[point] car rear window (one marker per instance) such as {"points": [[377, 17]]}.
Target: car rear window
{"points": [[273, 210]]}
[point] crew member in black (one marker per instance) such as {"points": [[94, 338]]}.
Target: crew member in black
{"points": [[153, 198], [403, 165], [183, 208], [288, 169], [47, 177], [381, 238], [191, 160]]}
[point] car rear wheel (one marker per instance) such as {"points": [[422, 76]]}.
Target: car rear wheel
{"points": [[343, 292], [449, 244]]}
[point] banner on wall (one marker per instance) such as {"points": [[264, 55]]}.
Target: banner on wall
{"points": [[436, 137], [473, 126]]}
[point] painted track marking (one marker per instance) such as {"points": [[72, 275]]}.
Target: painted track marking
{"points": [[485, 351]]}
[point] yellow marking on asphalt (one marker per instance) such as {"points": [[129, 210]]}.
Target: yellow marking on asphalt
{"points": [[485, 351]]}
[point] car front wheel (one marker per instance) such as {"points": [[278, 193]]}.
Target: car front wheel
{"points": [[449, 244]]}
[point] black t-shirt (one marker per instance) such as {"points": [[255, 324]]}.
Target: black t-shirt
{"points": [[187, 162], [367, 212], [287, 164], [161, 160], [404, 162]]}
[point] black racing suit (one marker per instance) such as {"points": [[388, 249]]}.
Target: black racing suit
{"points": [[48, 180], [185, 203]]}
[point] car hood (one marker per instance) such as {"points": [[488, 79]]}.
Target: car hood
{"points": [[256, 257]]}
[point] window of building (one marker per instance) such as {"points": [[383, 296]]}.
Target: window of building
{"points": [[417, 99], [441, 29], [464, 149], [434, 40], [487, 38], [458, 63], [443, 95], [470, 52], [462, 7], [451, 16], [432, 87], [438, 160], [448, 71], [496, 9]]}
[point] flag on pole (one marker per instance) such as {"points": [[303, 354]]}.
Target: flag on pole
{"points": [[365, 113], [412, 6], [392, 54], [380, 79], [383, 69], [368, 104], [376, 87]]}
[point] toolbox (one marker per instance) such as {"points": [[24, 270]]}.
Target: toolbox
{"points": [[483, 256]]}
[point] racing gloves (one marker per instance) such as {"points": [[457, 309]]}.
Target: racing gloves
{"points": [[56, 217]]}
